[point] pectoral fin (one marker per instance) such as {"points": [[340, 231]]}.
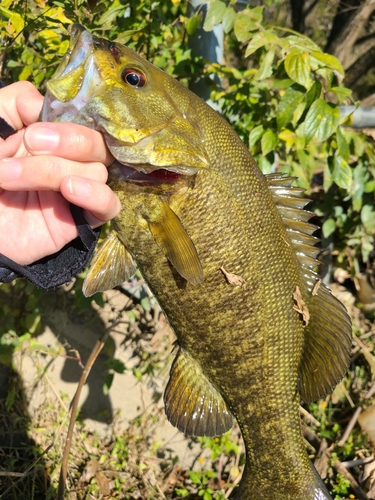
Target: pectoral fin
{"points": [[328, 340], [192, 403], [111, 265], [175, 242]]}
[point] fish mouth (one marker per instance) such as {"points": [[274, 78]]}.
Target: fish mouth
{"points": [[157, 176]]}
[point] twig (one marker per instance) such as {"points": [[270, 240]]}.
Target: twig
{"points": [[360, 494], [308, 416], [349, 427], [370, 392], [347, 395], [74, 406], [360, 461]]}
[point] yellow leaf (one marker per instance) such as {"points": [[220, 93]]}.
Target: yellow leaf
{"points": [[15, 19]]}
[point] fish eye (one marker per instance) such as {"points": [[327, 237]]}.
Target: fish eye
{"points": [[134, 77]]}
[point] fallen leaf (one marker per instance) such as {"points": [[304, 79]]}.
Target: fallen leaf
{"points": [[300, 306], [316, 287], [233, 279], [103, 483]]}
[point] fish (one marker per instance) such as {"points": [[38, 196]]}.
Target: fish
{"points": [[228, 252]]}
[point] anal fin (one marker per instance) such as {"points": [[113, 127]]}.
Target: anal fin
{"points": [[192, 403], [328, 340], [111, 265]]}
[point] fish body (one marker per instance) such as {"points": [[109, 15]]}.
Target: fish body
{"points": [[228, 253]]}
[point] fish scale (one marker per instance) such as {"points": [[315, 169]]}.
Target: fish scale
{"points": [[248, 347]]}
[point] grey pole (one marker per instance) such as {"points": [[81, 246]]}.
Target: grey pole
{"points": [[208, 45], [361, 117]]}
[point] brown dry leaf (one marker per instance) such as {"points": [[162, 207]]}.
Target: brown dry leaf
{"points": [[316, 287], [300, 306], [103, 483], [233, 279], [89, 471], [366, 421], [369, 479]]}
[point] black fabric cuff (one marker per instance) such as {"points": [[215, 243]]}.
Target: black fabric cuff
{"points": [[59, 268]]}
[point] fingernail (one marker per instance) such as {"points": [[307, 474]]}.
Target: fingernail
{"points": [[42, 139], [79, 188], [10, 170]]}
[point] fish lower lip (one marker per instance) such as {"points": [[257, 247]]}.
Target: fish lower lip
{"points": [[156, 177]]}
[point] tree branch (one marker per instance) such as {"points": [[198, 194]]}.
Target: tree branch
{"points": [[342, 47]]}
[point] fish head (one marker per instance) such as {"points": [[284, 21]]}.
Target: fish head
{"points": [[142, 112]]}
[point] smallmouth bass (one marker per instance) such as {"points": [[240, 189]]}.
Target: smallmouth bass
{"points": [[228, 253]]}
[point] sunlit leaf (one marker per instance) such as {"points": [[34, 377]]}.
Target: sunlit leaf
{"points": [[269, 142], [265, 69], [321, 120], [15, 19], [192, 23], [243, 26], [228, 20], [328, 60], [288, 104], [215, 15], [297, 66], [342, 173], [328, 227], [255, 134]]}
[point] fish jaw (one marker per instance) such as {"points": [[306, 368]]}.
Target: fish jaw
{"points": [[143, 127]]}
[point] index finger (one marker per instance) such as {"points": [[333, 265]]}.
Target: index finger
{"points": [[67, 140]]}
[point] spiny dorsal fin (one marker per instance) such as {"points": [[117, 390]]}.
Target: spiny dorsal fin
{"points": [[192, 403], [111, 265], [290, 205], [328, 340], [328, 334], [175, 242]]}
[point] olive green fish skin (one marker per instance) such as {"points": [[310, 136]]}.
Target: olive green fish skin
{"points": [[247, 340]]}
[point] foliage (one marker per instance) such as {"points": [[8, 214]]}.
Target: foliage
{"points": [[283, 101], [282, 96]]}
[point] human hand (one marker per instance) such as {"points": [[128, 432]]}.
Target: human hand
{"points": [[43, 168]]}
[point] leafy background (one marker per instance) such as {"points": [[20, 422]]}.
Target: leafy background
{"points": [[282, 93]]}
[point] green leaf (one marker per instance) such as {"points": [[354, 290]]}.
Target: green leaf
{"points": [[192, 23], [269, 142], [329, 227], [297, 66], [321, 121], [342, 173], [265, 70], [302, 43], [255, 134], [368, 218], [314, 93], [328, 61], [342, 145], [228, 20], [264, 164], [107, 383], [215, 15], [15, 19], [342, 93], [260, 40], [26, 72], [243, 26], [288, 104]]}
